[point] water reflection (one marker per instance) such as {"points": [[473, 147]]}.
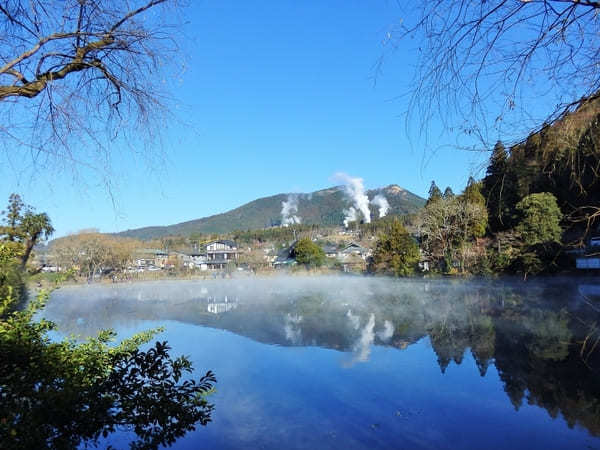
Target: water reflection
{"points": [[218, 306], [542, 337]]}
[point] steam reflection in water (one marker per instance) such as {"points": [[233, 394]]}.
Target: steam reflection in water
{"points": [[372, 363]]}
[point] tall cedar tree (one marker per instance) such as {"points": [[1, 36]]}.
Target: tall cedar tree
{"points": [[434, 193], [498, 189]]}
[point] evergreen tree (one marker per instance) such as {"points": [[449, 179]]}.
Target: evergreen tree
{"points": [[396, 252], [434, 193], [12, 216], [539, 219], [499, 190], [22, 228], [497, 166], [448, 193], [473, 198], [472, 193], [539, 231]]}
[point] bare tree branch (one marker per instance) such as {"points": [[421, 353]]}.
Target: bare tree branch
{"points": [[500, 68], [98, 64]]}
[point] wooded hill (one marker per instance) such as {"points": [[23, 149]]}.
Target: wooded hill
{"points": [[324, 207], [562, 159]]}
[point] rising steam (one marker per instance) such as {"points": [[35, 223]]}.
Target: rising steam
{"points": [[289, 210], [355, 190], [362, 347], [381, 202], [388, 331]]}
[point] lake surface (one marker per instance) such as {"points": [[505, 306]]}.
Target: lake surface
{"points": [[350, 362]]}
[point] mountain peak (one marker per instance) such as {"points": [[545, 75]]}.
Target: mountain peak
{"points": [[394, 189], [324, 207]]}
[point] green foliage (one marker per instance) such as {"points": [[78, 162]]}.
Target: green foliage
{"points": [[434, 193], [308, 253], [539, 219], [474, 199], [382, 225], [22, 228], [65, 394], [562, 163], [500, 261], [12, 215], [562, 159], [550, 334], [472, 192], [12, 286], [534, 244], [274, 234], [61, 394], [499, 190], [396, 252]]}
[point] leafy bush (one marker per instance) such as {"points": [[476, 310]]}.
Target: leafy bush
{"points": [[308, 253], [64, 394], [396, 252], [539, 219]]}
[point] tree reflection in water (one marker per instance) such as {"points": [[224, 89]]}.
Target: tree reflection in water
{"points": [[541, 336]]}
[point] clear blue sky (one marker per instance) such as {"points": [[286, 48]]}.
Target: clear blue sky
{"points": [[277, 97]]}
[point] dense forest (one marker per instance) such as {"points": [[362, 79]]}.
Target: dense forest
{"points": [[563, 159]]}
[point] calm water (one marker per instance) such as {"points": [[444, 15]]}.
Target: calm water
{"points": [[344, 362]]}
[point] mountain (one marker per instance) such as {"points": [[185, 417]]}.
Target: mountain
{"points": [[324, 207]]}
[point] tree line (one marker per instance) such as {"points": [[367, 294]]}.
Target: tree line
{"points": [[492, 227]]}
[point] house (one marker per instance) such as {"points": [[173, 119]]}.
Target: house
{"points": [[330, 251], [217, 307], [179, 258], [220, 253], [194, 259], [354, 249], [148, 257], [284, 258], [353, 257]]}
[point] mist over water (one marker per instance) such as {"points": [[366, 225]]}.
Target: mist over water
{"points": [[330, 362]]}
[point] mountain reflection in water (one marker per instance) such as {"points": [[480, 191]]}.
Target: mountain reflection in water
{"points": [[542, 336]]}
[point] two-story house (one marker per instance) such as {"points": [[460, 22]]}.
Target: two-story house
{"points": [[220, 253]]}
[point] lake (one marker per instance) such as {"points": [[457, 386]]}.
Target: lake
{"points": [[353, 362]]}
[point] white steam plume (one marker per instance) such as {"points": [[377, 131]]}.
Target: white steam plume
{"points": [[362, 347], [289, 209], [293, 332], [350, 215], [355, 190], [381, 202], [354, 320], [387, 332]]}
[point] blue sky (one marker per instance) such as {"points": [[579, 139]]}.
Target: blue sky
{"points": [[276, 97]]}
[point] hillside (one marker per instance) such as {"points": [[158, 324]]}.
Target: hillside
{"points": [[562, 159], [324, 207]]}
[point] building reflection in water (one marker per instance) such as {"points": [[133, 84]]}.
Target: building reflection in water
{"points": [[215, 306], [543, 337]]}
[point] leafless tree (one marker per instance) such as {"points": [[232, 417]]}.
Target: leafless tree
{"points": [[500, 68], [79, 76]]}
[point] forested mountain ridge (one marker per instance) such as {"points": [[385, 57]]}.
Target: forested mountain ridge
{"points": [[323, 207]]}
